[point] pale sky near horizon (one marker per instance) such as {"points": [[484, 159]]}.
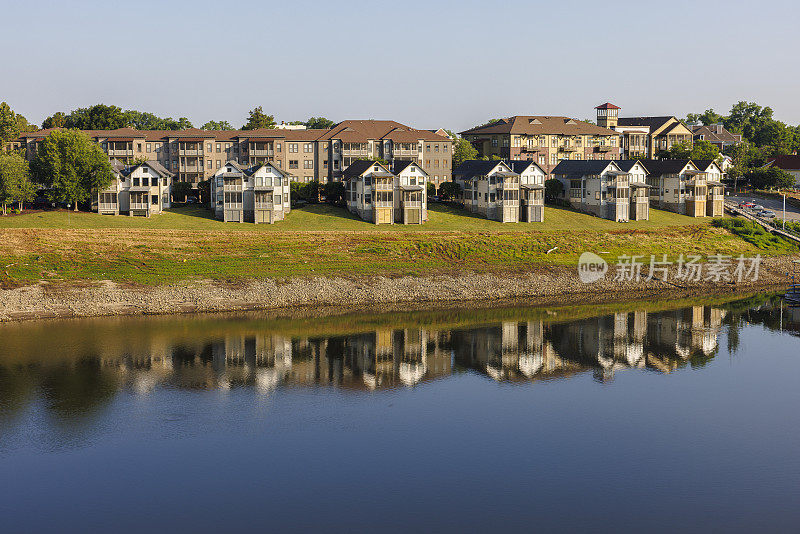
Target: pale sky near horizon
{"points": [[428, 64]]}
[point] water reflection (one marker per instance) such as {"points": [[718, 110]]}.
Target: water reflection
{"points": [[75, 368]]}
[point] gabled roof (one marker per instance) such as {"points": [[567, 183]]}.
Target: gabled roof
{"points": [[657, 167], [127, 170], [361, 166], [401, 165], [607, 105], [716, 133], [252, 170], [477, 167], [540, 125], [787, 163], [703, 164], [582, 167], [360, 131], [627, 164], [654, 123], [519, 166]]}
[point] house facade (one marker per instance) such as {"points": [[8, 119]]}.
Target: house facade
{"points": [[601, 188], [679, 185], [137, 190], [643, 137], [194, 155], [544, 140], [489, 188], [531, 190], [380, 196], [259, 194], [716, 134], [790, 164]]}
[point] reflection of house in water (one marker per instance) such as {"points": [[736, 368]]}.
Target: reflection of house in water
{"points": [[509, 351], [677, 335]]}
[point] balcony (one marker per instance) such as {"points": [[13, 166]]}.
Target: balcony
{"points": [[527, 149], [232, 187], [264, 206], [187, 152], [140, 206], [232, 205], [265, 153], [120, 152], [106, 206]]}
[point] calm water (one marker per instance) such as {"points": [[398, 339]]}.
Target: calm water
{"points": [[621, 418]]}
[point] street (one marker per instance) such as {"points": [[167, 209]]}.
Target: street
{"points": [[773, 204]]}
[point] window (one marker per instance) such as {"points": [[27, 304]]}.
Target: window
{"points": [[308, 163], [291, 147], [308, 147], [445, 147], [219, 164], [278, 147], [292, 163], [149, 146], [286, 198], [209, 164], [154, 200], [138, 147], [208, 147], [218, 147]]}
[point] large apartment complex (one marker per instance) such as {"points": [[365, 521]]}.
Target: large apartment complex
{"points": [[194, 155], [544, 140], [643, 137]]}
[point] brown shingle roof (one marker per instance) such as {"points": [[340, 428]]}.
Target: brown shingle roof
{"points": [[540, 125], [360, 131]]}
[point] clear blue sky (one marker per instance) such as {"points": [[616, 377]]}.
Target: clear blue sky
{"points": [[429, 64]]}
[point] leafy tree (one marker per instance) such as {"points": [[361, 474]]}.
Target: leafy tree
{"points": [[319, 123], [11, 124], [218, 125], [493, 157], [463, 151], [181, 190], [56, 120], [334, 193], [770, 178], [258, 119], [709, 116], [698, 150], [204, 191], [180, 124], [71, 167], [306, 191], [430, 189], [553, 188], [449, 190], [97, 117], [15, 184]]}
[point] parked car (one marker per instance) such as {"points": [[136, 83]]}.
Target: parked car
{"points": [[767, 214], [757, 208], [747, 204]]}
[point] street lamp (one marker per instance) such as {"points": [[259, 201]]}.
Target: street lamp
{"points": [[784, 211]]}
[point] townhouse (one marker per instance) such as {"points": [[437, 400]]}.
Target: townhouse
{"points": [[643, 137], [790, 164], [544, 140], [258, 194], [531, 190], [490, 188], [141, 189], [381, 196], [194, 155], [680, 185], [716, 134], [354, 140], [602, 188]]}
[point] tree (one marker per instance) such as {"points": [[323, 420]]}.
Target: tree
{"points": [[71, 167], [181, 124], [770, 178], [181, 190], [218, 125], [334, 193], [204, 191], [553, 189], [258, 119], [11, 124], [430, 190], [449, 190], [709, 116], [463, 151], [308, 192], [698, 150], [56, 120], [319, 123], [97, 117], [15, 184]]}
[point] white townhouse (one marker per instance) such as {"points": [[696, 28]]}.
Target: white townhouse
{"points": [[489, 188], [141, 189], [380, 196], [599, 187], [531, 190], [640, 191], [679, 185], [258, 194]]}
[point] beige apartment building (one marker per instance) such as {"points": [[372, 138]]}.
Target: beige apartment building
{"points": [[544, 140], [194, 155], [643, 137]]}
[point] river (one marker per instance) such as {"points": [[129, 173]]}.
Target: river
{"points": [[660, 416]]}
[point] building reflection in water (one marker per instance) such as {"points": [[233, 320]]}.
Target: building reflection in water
{"points": [[80, 371]]}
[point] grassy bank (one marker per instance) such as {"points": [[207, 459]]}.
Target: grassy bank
{"points": [[319, 240]]}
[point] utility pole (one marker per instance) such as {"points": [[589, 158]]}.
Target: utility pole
{"points": [[784, 211]]}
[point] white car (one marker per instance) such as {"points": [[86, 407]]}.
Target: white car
{"points": [[757, 208], [767, 214]]}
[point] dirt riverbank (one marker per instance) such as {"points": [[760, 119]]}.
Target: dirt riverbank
{"points": [[546, 284]]}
